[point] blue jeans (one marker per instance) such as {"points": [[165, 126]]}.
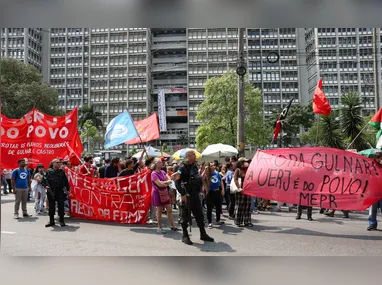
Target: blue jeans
{"points": [[5, 185], [253, 203], [373, 213]]}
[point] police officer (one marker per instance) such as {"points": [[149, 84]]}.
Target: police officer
{"points": [[55, 181], [189, 185]]}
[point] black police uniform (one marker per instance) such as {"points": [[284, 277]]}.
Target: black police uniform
{"points": [[56, 181], [190, 184]]}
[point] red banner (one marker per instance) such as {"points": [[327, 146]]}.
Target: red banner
{"points": [[148, 130], [318, 177], [38, 137], [124, 200]]}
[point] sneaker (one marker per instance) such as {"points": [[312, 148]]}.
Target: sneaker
{"points": [[26, 215], [161, 231], [220, 222], [255, 212], [16, 216], [150, 222], [210, 226], [298, 218]]}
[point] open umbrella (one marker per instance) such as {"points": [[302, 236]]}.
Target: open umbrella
{"points": [[219, 150], [151, 152], [181, 154], [369, 152]]}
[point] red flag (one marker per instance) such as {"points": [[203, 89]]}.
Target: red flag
{"points": [[148, 130], [281, 118], [74, 159], [321, 104], [277, 130]]}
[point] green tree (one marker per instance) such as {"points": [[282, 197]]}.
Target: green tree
{"points": [[87, 113], [133, 151], [165, 148], [218, 113], [329, 132], [90, 135], [370, 132], [22, 90], [352, 121], [299, 116]]}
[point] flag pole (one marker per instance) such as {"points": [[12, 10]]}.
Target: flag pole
{"points": [[357, 136], [318, 124], [81, 161]]}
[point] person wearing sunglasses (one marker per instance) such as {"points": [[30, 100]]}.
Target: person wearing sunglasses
{"points": [[55, 181], [242, 201]]}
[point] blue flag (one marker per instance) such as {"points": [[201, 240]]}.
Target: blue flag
{"points": [[120, 130]]}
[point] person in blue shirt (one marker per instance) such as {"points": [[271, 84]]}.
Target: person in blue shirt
{"points": [[214, 194], [21, 185]]}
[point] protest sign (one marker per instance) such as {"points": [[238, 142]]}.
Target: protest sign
{"points": [[124, 200], [38, 137], [318, 177]]}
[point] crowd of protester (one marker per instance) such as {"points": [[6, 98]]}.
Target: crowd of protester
{"points": [[222, 189]]}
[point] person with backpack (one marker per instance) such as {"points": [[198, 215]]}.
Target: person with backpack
{"points": [[21, 185]]}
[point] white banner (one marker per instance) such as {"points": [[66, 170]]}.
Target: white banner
{"points": [[162, 111]]}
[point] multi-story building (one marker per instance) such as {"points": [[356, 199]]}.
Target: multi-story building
{"points": [[169, 73], [344, 58], [27, 45], [119, 69], [274, 61], [107, 68]]}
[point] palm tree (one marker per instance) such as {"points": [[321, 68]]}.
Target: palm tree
{"points": [[352, 121], [88, 113], [330, 132], [183, 140]]}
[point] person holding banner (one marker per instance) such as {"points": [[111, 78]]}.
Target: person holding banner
{"points": [[242, 201], [309, 212], [160, 195], [113, 169], [88, 169], [373, 223]]}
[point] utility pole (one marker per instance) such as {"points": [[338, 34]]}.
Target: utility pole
{"points": [[241, 71], [376, 70]]}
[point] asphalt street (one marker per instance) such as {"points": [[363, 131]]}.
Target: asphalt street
{"points": [[273, 234]]}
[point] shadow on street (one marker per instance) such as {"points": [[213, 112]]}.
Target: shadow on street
{"points": [[299, 231]]}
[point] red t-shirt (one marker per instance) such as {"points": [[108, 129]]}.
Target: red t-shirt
{"points": [[88, 170]]}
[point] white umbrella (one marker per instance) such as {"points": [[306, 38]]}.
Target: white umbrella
{"points": [[218, 150]]}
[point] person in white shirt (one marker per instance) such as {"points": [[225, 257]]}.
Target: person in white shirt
{"points": [[39, 189], [7, 180]]}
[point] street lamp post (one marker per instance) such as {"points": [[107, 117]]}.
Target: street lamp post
{"points": [[241, 71]]}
